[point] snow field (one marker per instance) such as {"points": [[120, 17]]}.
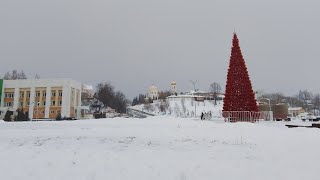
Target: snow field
{"points": [[157, 148]]}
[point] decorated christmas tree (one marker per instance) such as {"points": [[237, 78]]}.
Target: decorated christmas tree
{"points": [[239, 94]]}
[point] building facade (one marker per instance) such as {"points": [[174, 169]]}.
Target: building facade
{"points": [[153, 92], [42, 98], [295, 111], [173, 87]]}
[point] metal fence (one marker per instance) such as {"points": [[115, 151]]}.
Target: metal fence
{"points": [[247, 116]]}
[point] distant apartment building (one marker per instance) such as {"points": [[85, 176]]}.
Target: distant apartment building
{"points": [[295, 111], [42, 98]]}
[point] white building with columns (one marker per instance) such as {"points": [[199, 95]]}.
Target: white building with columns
{"points": [[42, 98]]}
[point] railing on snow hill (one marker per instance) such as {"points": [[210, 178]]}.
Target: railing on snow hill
{"points": [[247, 116], [142, 112]]}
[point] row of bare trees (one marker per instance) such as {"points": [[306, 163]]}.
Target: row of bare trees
{"points": [[304, 98], [15, 74]]}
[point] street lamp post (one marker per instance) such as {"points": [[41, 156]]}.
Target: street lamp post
{"points": [[269, 105], [38, 109], [195, 107]]}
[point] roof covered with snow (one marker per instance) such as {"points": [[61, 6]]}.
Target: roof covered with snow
{"points": [[295, 108]]}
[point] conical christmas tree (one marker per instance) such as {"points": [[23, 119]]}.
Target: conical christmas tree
{"points": [[239, 94]]}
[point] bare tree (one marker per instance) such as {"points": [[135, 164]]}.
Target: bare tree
{"points": [[183, 104], [21, 75], [164, 105], [106, 94], [86, 93], [316, 104], [164, 94], [278, 98], [177, 109], [306, 97], [7, 75], [275, 98], [37, 76], [215, 88], [149, 107], [161, 107], [119, 102], [14, 75]]}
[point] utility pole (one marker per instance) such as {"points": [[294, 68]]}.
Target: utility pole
{"points": [[38, 108], [194, 84], [195, 107], [195, 98]]}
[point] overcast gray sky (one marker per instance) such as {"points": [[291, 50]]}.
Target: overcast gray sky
{"points": [[136, 43]]}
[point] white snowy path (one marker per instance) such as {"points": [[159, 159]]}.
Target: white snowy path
{"points": [[158, 148]]}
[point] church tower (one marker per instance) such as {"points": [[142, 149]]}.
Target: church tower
{"points": [[173, 87]]}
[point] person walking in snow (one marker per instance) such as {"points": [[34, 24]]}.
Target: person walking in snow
{"points": [[202, 116]]}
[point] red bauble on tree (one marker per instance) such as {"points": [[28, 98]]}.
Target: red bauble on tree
{"points": [[239, 94]]}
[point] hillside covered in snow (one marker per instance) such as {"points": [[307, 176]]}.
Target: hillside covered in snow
{"points": [[182, 108]]}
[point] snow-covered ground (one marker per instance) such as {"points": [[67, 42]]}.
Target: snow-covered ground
{"points": [[157, 148]]}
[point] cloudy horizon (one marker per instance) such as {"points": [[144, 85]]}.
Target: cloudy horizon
{"points": [[134, 44]]}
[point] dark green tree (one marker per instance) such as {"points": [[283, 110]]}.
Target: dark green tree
{"points": [[135, 101], [141, 99], [27, 116], [116, 100], [21, 116], [59, 117], [7, 117], [120, 102]]}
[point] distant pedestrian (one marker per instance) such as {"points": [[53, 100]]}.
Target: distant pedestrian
{"points": [[202, 116]]}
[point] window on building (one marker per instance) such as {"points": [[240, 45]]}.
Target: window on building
{"points": [[21, 104], [8, 104], [28, 103], [42, 112], [35, 112], [44, 103], [44, 94], [8, 95], [53, 103], [38, 94], [28, 94], [51, 112], [53, 93], [59, 103], [60, 93], [21, 94]]}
